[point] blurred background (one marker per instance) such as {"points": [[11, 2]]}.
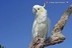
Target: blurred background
{"points": [[16, 19]]}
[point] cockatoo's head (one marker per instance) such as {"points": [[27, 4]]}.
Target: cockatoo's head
{"points": [[38, 10]]}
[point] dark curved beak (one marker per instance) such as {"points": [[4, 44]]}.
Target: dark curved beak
{"points": [[34, 10]]}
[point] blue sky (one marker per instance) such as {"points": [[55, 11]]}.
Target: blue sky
{"points": [[16, 20]]}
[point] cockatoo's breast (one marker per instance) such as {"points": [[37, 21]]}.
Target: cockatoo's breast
{"points": [[40, 27]]}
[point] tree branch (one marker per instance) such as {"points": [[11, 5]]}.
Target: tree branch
{"points": [[57, 36]]}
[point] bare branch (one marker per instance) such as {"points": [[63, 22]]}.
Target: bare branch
{"points": [[57, 36]]}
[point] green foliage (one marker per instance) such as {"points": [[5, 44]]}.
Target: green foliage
{"points": [[1, 46]]}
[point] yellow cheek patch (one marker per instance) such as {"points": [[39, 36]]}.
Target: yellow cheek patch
{"points": [[41, 10]]}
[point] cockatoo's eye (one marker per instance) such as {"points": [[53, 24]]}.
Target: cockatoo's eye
{"points": [[38, 8]]}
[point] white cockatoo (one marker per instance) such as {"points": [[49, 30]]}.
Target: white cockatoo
{"points": [[41, 22]]}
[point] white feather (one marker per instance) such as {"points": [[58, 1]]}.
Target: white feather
{"points": [[41, 24]]}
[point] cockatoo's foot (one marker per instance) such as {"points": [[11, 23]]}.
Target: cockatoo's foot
{"points": [[38, 42], [57, 37]]}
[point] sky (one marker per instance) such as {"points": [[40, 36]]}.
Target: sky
{"points": [[16, 19]]}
